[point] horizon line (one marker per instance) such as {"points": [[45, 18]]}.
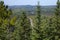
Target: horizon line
{"points": [[29, 5]]}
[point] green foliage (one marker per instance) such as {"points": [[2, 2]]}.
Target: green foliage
{"points": [[56, 22], [14, 27], [5, 14], [25, 27], [37, 28]]}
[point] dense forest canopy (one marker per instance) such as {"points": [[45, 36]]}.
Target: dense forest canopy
{"points": [[29, 24]]}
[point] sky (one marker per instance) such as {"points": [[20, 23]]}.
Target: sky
{"points": [[30, 2]]}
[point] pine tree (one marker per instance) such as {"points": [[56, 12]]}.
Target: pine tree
{"points": [[24, 29], [11, 29], [45, 27], [5, 14], [38, 28], [49, 29], [56, 22], [2, 20]]}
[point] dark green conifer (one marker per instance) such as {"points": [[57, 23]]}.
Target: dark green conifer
{"points": [[25, 27], [38, 28], [5, 14], [56, 22]]}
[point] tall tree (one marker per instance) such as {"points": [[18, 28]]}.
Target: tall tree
{"points": [[49, 29], [38, 28], [56, 22], [5, 14], [24, 28]]}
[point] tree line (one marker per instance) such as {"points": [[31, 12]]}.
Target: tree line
{"points": [[21, 29]]}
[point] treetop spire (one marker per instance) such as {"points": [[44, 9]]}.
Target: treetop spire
{"points": [[38, 3]]}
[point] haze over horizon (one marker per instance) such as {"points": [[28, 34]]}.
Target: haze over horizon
{"points": [[30, 2]]}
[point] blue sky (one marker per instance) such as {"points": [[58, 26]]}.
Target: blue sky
{"points": [[30, 2]]}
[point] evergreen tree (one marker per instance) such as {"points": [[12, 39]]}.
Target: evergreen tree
{"points": [[5, 25], [45, 25], [49, 29], [38, 28], [11, 29], [24, 29], [56, 23]]}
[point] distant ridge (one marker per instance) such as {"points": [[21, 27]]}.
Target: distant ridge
{"points": [[21, 6], [49, 10]]}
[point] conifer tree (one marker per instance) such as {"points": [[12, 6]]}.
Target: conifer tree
{"points": [[5, 14], [49, 30], [25, 27], [38, 28], [44, 25], [56, 22]]}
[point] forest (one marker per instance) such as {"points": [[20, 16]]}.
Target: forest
{"points": [[29, 27]]}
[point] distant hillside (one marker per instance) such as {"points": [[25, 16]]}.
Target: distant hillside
{"points": [[45, 10]]}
